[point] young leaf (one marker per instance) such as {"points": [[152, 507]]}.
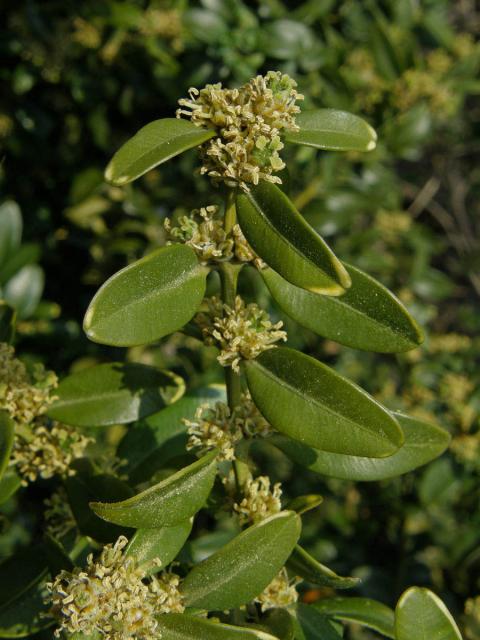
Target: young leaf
{"points": [[24, 290], [177, 626], [420, 614], [167, 503], [155, 143], [7, 430], [312, 625], [10, 230], [287, 243], [423, 443], [367, 316], [313, 404], [147, 300], [304, 565], [149, 444], [332, 130], [302, 504], [163, 544], [7, 322], [364, 611], [240, 570], [115, 393]]}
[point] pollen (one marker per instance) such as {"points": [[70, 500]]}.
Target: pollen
{"points": [[260, 501], [281, 592]]}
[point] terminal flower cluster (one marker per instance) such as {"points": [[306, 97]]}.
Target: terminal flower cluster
{"points": [[260, 501], [248, 123]]}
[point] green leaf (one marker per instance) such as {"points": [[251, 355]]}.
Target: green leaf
{"points": [[56, 556], [25, 254], [155, 143], [9, 484], [302, 504], [332, 130], [82, 488], [114, 393], [7, 322], [24, 290], [421, 615], [147, 300], [21, 597], [10, 230], [240, 570], [163, 544], [367, 316], [7, 431], [167, 503], [177, 626], [313, 404], [369, 613], [423, 443], [280, 623], [287, 243], [312, 625], [304, 565], [149, 444]]}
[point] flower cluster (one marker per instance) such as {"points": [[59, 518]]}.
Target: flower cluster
{"points": [[203, 230], [260, 501], [58, 515], [113, 597], [241, 333], [248, 123], [281, 592], [219, 428], [23, 396], [46, 449]]}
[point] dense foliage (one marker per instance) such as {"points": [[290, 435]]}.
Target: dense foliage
{"points": [[78, 81]]}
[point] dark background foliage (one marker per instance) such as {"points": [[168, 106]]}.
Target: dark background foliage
{"points": [[78, 79]]}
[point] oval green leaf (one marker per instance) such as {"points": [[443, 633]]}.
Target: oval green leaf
{"points": [[177, 626], [364, 611], [302, 564], [147, 300], [312, 625], [313, 404], [24, 291], [155, 143], [114, 393], [287, 243], [10, 230], [367, 316], [7, 431], [421, 615], [333, 130], [163, 544], [240, 570], [423, 442], [167, 503]]}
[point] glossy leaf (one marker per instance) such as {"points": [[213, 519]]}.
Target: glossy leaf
{"points": [[332, 130], [313, 404], [7, 430], [9, 484], [10, 229], [367, 316], [287, 243], [423, 443], [114, 393], [147, 300], [24, 290], [163, 544], [167, 503], [150, 443], [241, 569], [21, 597], [364, 611], [7, 322], [420, 614], [177, 626], [312, 625], [155, 143], [302, 564]]}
